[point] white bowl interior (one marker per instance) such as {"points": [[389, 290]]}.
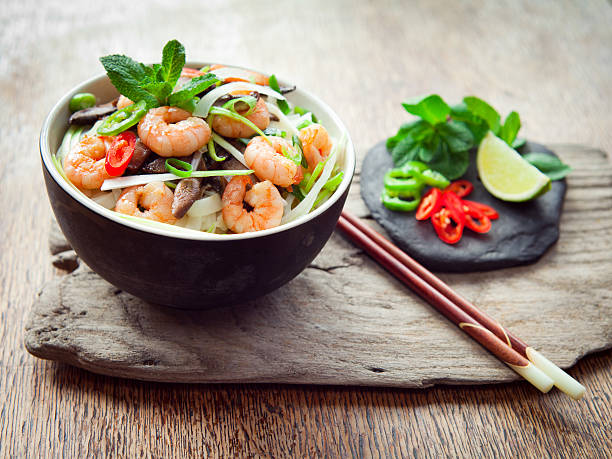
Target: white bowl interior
{"points": [[56, 123]]}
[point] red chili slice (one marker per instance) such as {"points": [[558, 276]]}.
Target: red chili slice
{"points": [[447, 227], [476, 220], [452, 202], [120, 153], [430, 204], [487, 211], [460, 187]]}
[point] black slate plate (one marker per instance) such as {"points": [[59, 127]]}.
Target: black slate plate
{"points": [[521, 235]]}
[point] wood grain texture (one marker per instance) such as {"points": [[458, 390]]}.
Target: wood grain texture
{"points": [[549, 60], [343, 320]]}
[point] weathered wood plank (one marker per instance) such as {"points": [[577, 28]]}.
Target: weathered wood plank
{"points": [[325, 327]]}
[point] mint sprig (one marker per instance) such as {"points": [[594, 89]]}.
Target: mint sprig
{"points": [[154, 84], [443, 134]]}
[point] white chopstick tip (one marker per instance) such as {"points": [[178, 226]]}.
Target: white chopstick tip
{"points": [[561, 379], [535, 376]]}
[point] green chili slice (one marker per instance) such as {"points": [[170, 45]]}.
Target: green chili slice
{"points": [[434, 178], [282, 104], [249, 101], [400, 180], [123, 119], [173, 164], [402, 205]]}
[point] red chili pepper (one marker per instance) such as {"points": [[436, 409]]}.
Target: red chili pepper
{"points": [[476, 220], [460, 187], [447, 228], [120, 153], [449, 221], [452, 202], [430, 204], [487, 211]]}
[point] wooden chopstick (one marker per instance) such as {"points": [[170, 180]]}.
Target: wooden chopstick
{"points": [[507, 347]]}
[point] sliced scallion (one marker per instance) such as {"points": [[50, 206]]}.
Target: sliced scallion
{"points": [[173, 164], [282, 104], [170, 185], [333, 182], [249, 101], [213, 153], [314, 176], [297, 143], [303, 111]]}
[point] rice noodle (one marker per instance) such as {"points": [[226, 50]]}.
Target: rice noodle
{"points": [[206, 206], [272, 108], [305, 206], [203, 107]]}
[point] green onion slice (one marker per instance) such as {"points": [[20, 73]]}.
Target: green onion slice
{"points": [[250, 102], [218, 173], [315, 175], [171, 185], [173, 164], [297, 143], [333, 182], [213, 153], [282, 104]]}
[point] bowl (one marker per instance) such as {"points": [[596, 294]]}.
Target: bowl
{"points": [[187, 269]]}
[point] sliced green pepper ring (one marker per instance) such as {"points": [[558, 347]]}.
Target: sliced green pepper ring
{"points": [[397, 203], [123, 119], [434, 178], [400, 180], [417, 166]]}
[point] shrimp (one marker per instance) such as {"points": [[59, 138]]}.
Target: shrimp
{"points": [[316, 144], [228, 127], [187, 135], [263, 197], [123, 102], [269, 163], [84, 164], [155, 198]]}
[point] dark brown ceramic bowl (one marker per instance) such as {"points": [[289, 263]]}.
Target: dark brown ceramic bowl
{"points": [[187, 269]]}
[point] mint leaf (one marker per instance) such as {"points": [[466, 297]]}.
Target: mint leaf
{"points": [[431, 108], [481, 109], [126, 75], [510, 128], [450, 165], [418, 129], [550, 165], [477, 126], [160, 90], [173, 61], [192, 88], [456, 135], [406, 150]]}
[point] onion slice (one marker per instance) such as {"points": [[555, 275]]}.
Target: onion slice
{"points": [[209, 99]]}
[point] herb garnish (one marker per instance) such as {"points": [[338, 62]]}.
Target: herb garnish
{"points": [[548, 164], [154, 84], [443, 135]]}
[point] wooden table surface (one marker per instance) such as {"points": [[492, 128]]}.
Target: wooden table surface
{"points": [[549, 60]]}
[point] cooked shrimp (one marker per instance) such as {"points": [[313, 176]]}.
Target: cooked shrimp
{"points": [[263, 197], [155, 198], [84, 164], [253, 77], [187, 135], [228, 127], [123, 102], [316, 144], [269, 163]]}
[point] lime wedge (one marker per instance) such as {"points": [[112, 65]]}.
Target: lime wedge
{"points": [[505, 174]]}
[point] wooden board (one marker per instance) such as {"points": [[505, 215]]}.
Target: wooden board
{"points": [[344, 320]]}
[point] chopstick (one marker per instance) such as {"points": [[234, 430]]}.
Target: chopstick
{"points": [[523, 359]]}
